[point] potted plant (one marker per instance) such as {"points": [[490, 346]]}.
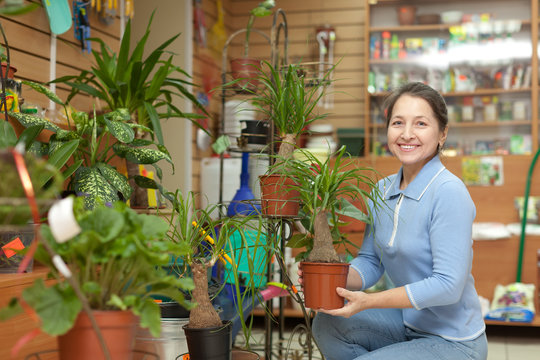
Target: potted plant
{"points": [[146, 86], [326, 189], [106, 262], [245, 68], [210, 240], [99, 141], [289, 101]]}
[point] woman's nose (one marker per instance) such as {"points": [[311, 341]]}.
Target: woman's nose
{"points": [[407, 133]]}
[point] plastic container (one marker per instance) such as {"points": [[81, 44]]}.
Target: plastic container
{"points": [[353, 139], [170, 344], [11, 240]]}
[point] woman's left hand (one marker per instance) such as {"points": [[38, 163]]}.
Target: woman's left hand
{"points": [[356, 302]]}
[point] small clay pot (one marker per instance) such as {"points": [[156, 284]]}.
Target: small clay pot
{"points": [[406, 15]]}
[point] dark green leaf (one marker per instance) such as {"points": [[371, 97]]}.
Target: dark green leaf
{"points": [[29, 135], [145, 182], [154, 119], [59, 158], [8, 138]]}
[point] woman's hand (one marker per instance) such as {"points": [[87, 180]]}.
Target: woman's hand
{"points": [[356, 301]]}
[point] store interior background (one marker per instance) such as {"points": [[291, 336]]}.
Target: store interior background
{"points": [[495, 261]]}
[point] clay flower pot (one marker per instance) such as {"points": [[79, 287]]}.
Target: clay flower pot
{"points": [[118, 329], [11, 72], [245, 70], [320, 281], [277, 195]]}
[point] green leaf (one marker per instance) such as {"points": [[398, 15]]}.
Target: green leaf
{"points": [[57, 308], [44, 90], [29, 135], [299, 241], [117, 180], [149, 316], [348, 209], [71, 169], [105, 221], [154, 119], [94, 186], [91, 287], [14, 308], [120, 130], [28, 120], [117, 302], [59, 158], [8, 138], [145, 182], [13, 10], [140, 156]]}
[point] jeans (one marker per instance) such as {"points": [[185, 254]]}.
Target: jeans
{"points": [[379, 334]]}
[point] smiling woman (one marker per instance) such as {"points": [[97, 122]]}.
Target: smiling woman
{"points": [[424, 246]]}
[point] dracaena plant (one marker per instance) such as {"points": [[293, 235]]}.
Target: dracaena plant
{"points": [[326, 189], [98, 141], [116, 260]]}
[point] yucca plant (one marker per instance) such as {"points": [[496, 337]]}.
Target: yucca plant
{"points": [[96, 141], [326, 189], [289, 100]]}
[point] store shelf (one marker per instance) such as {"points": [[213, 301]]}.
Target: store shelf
{"points": [[477, 92], [427, 27]]}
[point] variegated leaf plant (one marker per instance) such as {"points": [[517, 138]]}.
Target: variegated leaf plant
{"points": [[100, 139]]}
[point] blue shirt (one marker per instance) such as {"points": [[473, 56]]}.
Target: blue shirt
{"points": [[422, 238]]}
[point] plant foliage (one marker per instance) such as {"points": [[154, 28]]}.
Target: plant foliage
{"points": [[116, 260]]}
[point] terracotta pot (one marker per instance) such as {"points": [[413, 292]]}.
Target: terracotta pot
{"points": [[406, 15], [278, 198], [11, 72], [320, 281], [209, 343], [245, 70], [118, 328]]}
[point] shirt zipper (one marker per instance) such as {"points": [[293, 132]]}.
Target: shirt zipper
{"points": [[396, 218]]}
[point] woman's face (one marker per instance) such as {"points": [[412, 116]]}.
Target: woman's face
{"points": [[413, 132]]}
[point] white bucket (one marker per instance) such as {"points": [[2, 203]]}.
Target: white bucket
{"points": [[168, 346]]}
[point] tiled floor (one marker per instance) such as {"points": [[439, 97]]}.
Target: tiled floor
{"points": [[513, 343], [505, 343]]}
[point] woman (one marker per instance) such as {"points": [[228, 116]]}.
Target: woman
{"points": [[423, 242]]}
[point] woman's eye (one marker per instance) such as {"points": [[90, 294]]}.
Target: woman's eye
{"points": [[396, 122], [421, 123]]}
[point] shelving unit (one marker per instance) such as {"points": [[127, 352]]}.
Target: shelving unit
{"points": [[461, 79]]}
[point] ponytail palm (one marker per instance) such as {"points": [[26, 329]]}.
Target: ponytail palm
{"points": [[289, 100], [326, 189]]}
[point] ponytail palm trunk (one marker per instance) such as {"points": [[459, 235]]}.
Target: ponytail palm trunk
{"points": [[203, 315], [323, 249]]}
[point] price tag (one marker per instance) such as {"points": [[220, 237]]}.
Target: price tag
{"points": [[10, 249]]}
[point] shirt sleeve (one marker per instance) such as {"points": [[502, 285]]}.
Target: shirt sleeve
{"points": [[450, 236], [368, 263]]}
